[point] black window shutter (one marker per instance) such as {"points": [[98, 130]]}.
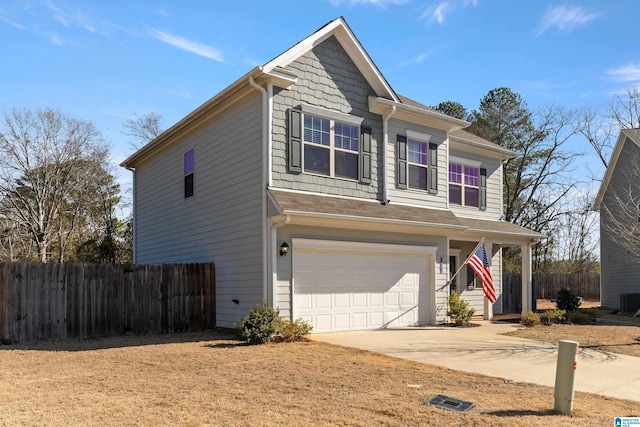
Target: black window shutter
{"points": [[401, 153], [365, 155], [295, 141], [433, 168], [483, 189]]}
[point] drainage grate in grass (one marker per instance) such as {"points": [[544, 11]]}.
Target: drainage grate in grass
{"points": [[450, 403]]}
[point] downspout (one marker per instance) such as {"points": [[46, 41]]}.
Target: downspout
{"points": [[134, 229], [274, 251], [385, 167], [265, 223]]}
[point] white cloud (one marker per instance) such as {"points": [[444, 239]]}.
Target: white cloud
{"points": [[162, 12], [54, 38], [438, 12], [418, 59], [565, 18], [187, 45], [69, 18], [8, 19], [626, 73]]}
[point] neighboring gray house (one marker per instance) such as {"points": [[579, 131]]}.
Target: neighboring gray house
{"points": [[314, 186], [619, 204]]}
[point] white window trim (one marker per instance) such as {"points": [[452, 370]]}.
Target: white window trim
{"points": [[464, 162], [460, 161], [331, 114], [332, 141], [422, 137]]}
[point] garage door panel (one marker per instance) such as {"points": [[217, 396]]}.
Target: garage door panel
{"points": [[376, 300], [358, 300], [357, 290], [322, 301], [342, 321], [376, 319], [391, 299], [341, 300], [359, 320], [408, 299]]}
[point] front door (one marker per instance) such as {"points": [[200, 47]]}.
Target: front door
{"points": [[453, 267]]}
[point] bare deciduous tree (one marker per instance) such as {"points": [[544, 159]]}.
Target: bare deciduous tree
{"points": [[43, 163], [143, 128]]}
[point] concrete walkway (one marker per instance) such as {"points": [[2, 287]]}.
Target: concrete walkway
{"points": [[485, 351]]}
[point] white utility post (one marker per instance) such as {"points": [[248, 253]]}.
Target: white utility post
{"points": [[565, 376]]}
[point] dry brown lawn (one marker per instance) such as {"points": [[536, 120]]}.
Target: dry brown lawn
{"points": [[209, 379], [605, 337]]}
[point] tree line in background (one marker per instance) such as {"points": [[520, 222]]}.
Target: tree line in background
{"points": [[543, 189], [59, 198]]}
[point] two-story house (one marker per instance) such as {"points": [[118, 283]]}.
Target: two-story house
{"points": [[314, 186]]}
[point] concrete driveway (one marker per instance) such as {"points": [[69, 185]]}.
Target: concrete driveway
{"points": [[485, 351]]}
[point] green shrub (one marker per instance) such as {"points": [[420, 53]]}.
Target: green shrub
{"points": [[260, 325], [567, 301], [459, 310], [294, 331], [583, 316], [530, 319], [552, 316]]}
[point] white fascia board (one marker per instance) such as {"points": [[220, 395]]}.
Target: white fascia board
{"points": [[622, 138], [186, 123], [351, 246], [505, 153], [413, 114], [349, 43], [354, 218]]}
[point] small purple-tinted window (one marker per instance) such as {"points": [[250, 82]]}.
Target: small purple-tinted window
{"points": [[455, 194], [455, 173], [471, 176], [188, 162], [471, 196]]}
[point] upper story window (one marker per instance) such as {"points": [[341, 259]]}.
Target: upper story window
{"points": [[417, 162], [464, 184], [188, 163], [330, 147], [467, 183], [418, 165], [329, 143]]}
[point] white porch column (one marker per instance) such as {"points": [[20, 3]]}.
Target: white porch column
{"points": [[527, 296]]}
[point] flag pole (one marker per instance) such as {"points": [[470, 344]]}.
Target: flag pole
{"points": [[463, 264]]}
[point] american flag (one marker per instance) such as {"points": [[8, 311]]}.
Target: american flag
{"points": [[480, 265]]}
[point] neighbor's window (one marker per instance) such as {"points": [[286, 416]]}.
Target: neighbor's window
{"points": [[464, 183], [188, 173], [418, 165], [330, 147]]}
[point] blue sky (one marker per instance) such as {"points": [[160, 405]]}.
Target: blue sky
{"points": [[107, 60]]}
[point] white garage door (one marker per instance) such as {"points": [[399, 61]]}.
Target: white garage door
{"points": [[339, 286]]}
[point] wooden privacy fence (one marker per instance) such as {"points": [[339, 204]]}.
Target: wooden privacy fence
{"points": [[50, 302], [546, 286]]}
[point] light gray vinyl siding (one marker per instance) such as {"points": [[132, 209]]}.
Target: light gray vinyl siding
{"points": [[327, 78], [286, 233], [223, 221], [494, 195], [620, 271], [413, 196]]}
